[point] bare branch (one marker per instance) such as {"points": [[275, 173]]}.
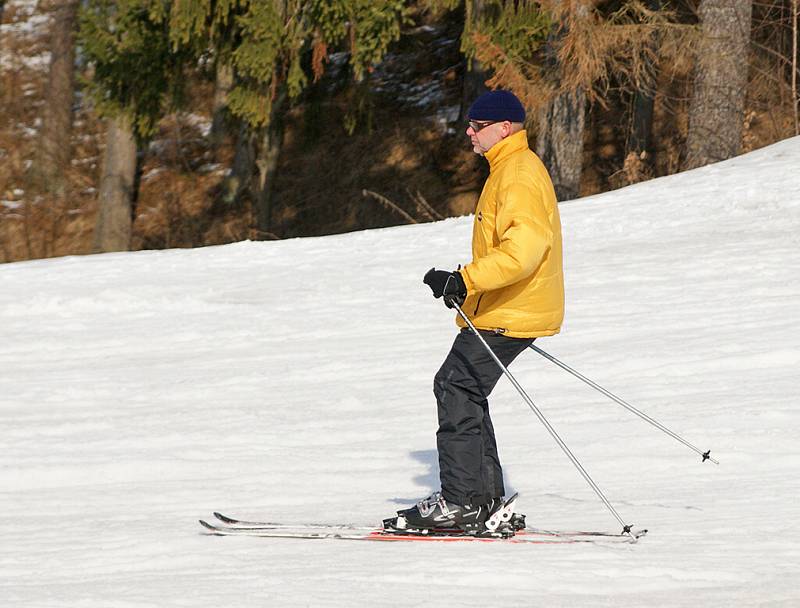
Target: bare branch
{"points": [[424, 206], [387, 203]]}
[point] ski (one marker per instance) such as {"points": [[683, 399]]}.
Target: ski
{"points": [[373, 534], [366, 533], [254, 526], [241, 523], [503, 516]]}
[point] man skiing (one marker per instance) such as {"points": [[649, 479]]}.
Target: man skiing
{"points": [[513, 291]]}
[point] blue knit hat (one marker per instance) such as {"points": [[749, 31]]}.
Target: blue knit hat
{"points": [[497, 105]]}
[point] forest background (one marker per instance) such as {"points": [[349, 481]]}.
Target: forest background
{"points": [[145, 124]]}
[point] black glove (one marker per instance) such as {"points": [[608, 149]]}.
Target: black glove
{"points": [[447, 284]]}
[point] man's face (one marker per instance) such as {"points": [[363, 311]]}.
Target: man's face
{"points": [[483, 134]]}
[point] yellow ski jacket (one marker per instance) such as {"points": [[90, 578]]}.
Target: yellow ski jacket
{"points": [[515, 282]]}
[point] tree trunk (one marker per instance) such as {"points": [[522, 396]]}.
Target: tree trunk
{"points": [[237, 182], [640, 142], [269, 149], [257, 151], [54, 148], [795, 98], [561, 123], [115, 211], [717, 106], [2, 10], [223, 83], [475, 76], [560, 142]]}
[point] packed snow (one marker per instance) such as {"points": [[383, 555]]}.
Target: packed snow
{"points": [[291, 380]]}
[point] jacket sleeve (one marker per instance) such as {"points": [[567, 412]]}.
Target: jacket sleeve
{"points": [[525, 236]]}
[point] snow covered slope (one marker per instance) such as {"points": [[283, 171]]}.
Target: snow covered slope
{"points": [[292, 380]]}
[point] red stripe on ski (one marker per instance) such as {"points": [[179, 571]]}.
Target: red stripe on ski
{"points": [[518, 538]]}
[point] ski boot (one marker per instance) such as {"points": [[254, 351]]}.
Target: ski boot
{"points": [[435, 515]]}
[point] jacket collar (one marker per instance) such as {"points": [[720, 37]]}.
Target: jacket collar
{"points": [[505, 148]]}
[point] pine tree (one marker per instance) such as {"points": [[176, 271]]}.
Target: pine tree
{"points": [[507, 41], [136, 71], [136, 78], [267, 43], [556, 56], [475, 12]]}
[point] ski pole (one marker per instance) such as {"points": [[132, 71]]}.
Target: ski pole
{"points": [[706, 455], [626, 529]]}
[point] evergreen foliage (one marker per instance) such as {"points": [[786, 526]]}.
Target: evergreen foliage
{"points": [[266, 41], [135, 70], [508, 39], [633, 61], [521, 42], [519, 28], [140, 48]]}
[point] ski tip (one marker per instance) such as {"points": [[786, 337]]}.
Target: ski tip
{"points": [[224, 518], [206, 525]]}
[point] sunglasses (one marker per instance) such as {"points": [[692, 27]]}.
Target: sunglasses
{"points": [[478, 125]]}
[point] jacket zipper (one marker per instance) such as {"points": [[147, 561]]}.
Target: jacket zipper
{"points": [[478, 304]]}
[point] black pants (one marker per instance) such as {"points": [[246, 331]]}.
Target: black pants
{"points": [[469, 466]]}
